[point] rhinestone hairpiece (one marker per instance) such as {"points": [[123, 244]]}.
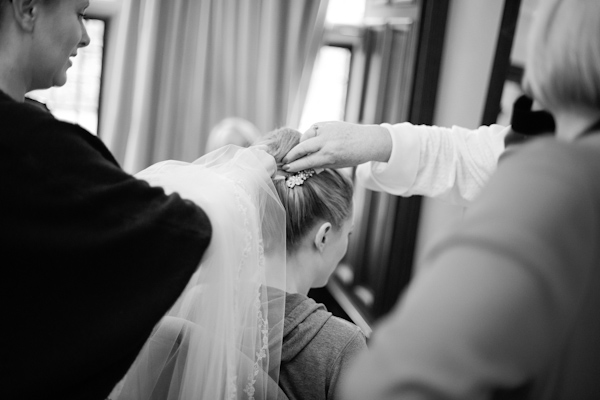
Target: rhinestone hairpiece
{"points": [[299, 178]]}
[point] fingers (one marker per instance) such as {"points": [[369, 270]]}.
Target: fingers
{"points": [[307, 162], [302, 149], [307, 154], [310, 133]]}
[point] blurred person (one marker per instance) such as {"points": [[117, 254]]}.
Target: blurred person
{"points": [[232, 130], [506, 306]]}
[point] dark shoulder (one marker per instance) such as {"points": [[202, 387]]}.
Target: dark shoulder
{"points": [[18, 118], [29, 127]]}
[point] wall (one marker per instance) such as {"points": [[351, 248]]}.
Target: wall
{"points": [[471, 35]]}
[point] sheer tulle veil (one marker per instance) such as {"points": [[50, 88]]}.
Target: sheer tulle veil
{"points": [[222, 339]]}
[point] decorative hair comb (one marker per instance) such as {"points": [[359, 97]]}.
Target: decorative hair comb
{"points": [[299, 177]]}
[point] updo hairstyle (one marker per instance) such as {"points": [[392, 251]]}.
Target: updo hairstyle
{"points": [[323, 197]]}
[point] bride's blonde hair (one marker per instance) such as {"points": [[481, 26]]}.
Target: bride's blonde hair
{"points": [[326, 196]]}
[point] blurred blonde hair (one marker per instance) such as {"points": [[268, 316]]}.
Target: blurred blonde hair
{"points": [[324, 197], [563, 62]]}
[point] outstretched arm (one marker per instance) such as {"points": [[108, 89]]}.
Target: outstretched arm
{"points": [[452, 164]]}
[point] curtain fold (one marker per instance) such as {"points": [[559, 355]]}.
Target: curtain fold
{"points": [[185, 65]]}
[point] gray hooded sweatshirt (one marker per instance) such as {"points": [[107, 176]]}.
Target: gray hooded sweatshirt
{"points": [[317, 347]]}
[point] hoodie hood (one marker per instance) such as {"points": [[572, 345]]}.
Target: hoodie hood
{"points": [[302, 323]]}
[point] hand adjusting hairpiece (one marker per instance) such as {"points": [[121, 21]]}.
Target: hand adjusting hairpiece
{"points": [[299, 177]]}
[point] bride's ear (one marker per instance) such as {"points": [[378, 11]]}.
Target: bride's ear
{"points": [[322, 236]]}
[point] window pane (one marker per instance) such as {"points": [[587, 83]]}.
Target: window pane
{"points": [[77, 101], [350, 12], [326, 97]]}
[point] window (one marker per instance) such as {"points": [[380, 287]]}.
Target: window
{"points": [[328, 88], [78, 100], [345, 12], [390, 80], [326, 97]]}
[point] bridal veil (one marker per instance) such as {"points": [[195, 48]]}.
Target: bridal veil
{"points": [[222, 338]]}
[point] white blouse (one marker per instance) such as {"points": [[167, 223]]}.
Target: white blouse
{"points": [[452, 164]]}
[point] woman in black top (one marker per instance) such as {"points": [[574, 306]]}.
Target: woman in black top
{"points": [[91, 256]]}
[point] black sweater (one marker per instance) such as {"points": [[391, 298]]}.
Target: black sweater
{"points": [[91, 258]]}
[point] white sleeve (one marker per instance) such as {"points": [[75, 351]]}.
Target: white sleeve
{"points": [[451, 164]]}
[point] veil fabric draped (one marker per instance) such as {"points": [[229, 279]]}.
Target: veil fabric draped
{"points": [[222, 338]]}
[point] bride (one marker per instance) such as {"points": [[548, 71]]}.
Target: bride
{"points": [[225, 337]]}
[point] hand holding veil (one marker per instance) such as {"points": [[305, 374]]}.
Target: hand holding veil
{"points": [[222, 338]]}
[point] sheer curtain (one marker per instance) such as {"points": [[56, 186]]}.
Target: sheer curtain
{"points": [[184, 65]]}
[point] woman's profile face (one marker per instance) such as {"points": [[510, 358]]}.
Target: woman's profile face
{"points": [[59, 32]]}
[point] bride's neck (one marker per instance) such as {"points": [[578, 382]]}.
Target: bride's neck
{"points": [[298, 277]]}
